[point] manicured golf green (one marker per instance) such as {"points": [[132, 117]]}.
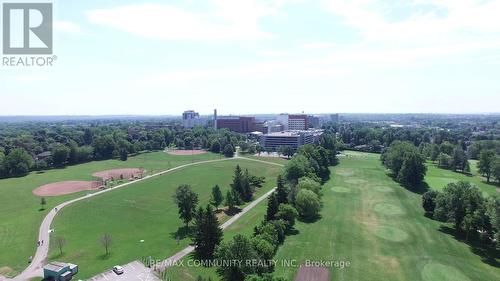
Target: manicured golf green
{"points": [[380, 228], [20, 217], [143, 211]]}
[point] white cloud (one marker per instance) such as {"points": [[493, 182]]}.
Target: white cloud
{"points": [[449, 20], [66, 26], [273, 53], [225, 20], [317, 45]]}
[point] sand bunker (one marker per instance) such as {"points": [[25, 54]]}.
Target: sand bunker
{"points": [[65, 187]]}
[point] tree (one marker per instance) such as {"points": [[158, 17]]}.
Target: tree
{"points": [[413, 170], [485, 164], [243, 145], [435, 152], [458, 160], [296, 168], [272, 207], [104, 147], [456, 202], [106, 242], [310, 184], [308, 204], [495, 172], [3, 165], [43, 202], [123, 154], [229, 201], [281, 190], [239, 250], [208, 233], [215, 147], [288, 214], [60, 242], [186, 201], [18, 162], [232, 200], [60, 155], [228, 151], [217, 197], [288, 151], [240, 184], [444, 160], [429, 201]]}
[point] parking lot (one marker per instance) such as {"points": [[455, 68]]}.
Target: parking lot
{"points": [[134, 271]]}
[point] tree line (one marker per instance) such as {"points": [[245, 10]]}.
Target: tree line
{"points": [[463, 205], [27, 147]]}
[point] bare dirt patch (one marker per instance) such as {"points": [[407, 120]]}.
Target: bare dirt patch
{"points": [[126, 173], [309, 273], [186, 152], [65, 187]]}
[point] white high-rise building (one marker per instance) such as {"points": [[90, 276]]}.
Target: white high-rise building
{"points": [[283, 120], [190, 119]]}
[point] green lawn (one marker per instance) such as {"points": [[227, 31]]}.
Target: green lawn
{"points": [[19, 208], [438, 178], [277, 160], [142, 211], [380, 228]]}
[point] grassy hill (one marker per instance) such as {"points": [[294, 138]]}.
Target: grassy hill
{"points": [[142, 211], [20, 217]]}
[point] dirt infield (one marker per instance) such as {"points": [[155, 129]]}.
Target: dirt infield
{"points": [[310, 273], [65, 187], [126, 173], [186, 152]]}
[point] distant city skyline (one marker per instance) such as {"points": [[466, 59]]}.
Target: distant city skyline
{"points": [[262, 56]]}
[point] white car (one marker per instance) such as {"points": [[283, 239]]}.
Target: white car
{"points": [[118, 269]]}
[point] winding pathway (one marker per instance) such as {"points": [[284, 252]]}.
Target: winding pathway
{"points": [[35, 269]]}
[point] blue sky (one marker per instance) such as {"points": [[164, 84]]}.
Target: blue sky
{"points": [[264, 56]]}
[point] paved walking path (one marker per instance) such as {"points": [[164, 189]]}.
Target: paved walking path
{"points": [[186, 251], [35, 268]]}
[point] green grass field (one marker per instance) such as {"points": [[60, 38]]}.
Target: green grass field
{"points": [[277, 160], [376, 225], [142, 211], [19, 208], [380, 228], [437, 178]]}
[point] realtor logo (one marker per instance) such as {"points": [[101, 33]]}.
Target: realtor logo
{"points": [[27, 28]]}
